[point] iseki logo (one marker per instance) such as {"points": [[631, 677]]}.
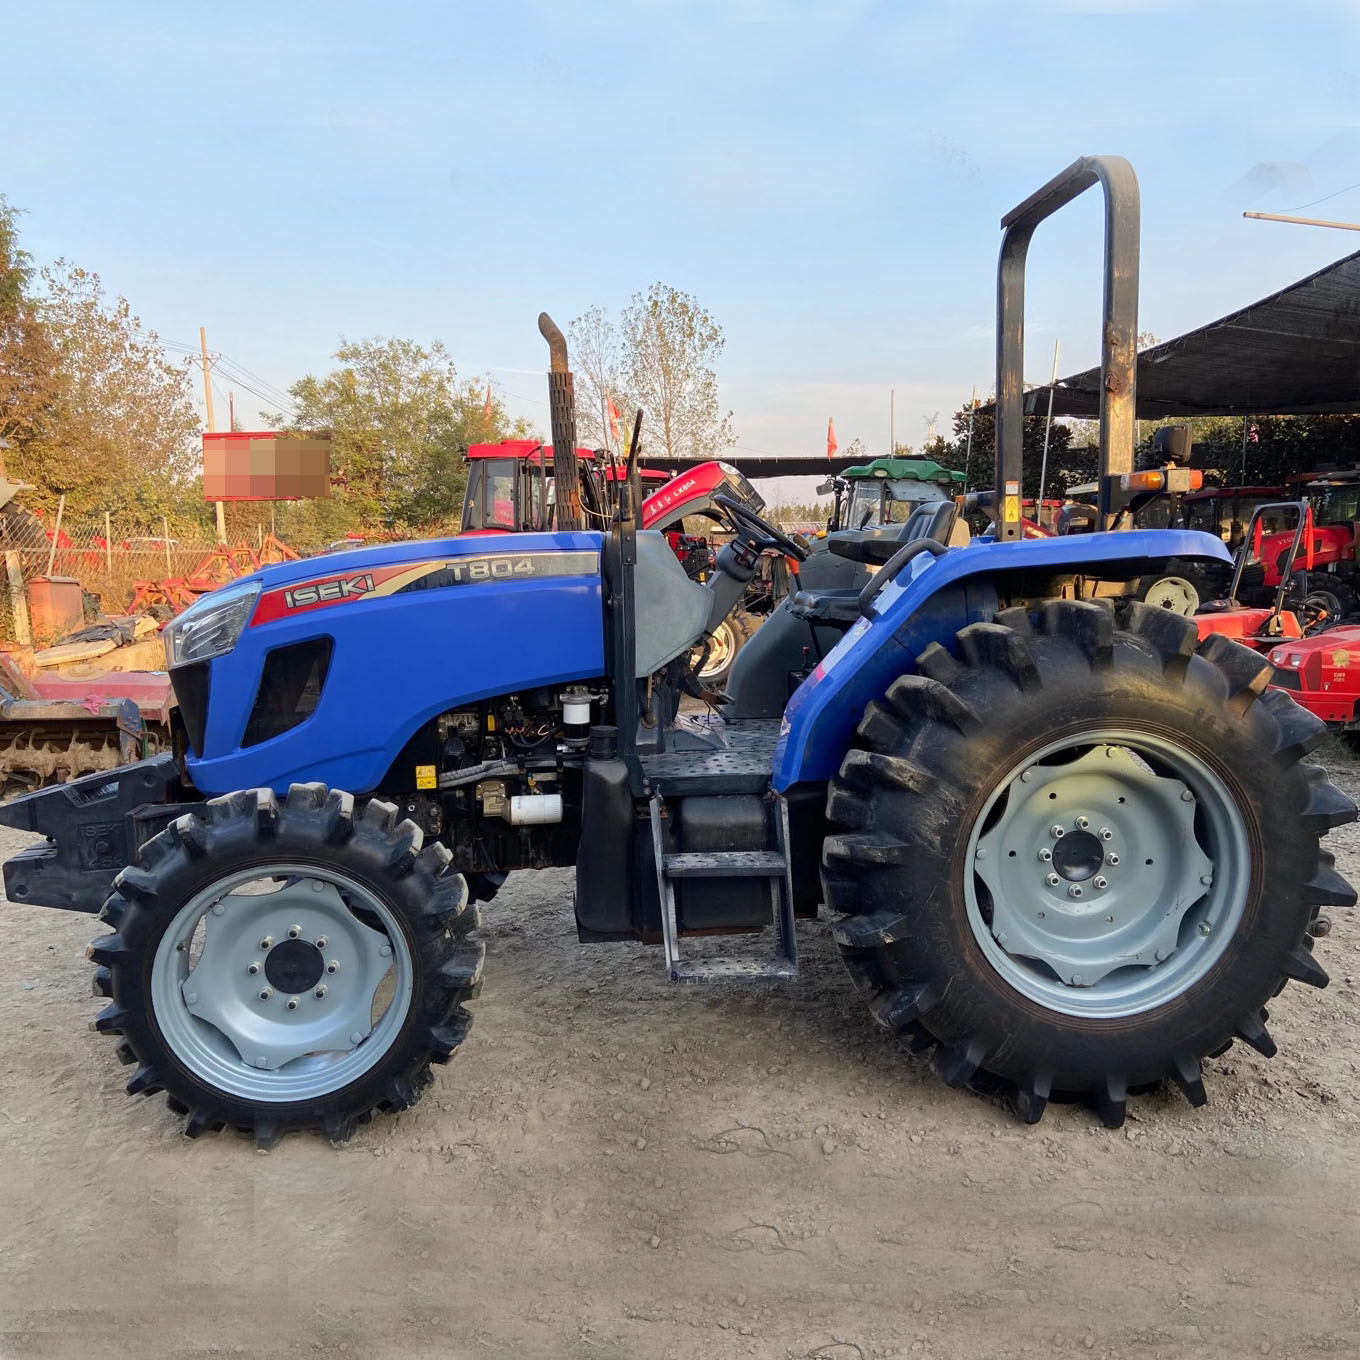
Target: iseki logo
{"points": [[326, 592]]}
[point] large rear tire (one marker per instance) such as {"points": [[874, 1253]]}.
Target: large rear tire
{"points": [[282, 965], [1055, 870]]}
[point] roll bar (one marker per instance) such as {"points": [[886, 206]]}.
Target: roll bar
{"points": [[1119, 330]]}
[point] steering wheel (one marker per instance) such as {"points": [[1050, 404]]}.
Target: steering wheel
{"points": [[768, 535]]}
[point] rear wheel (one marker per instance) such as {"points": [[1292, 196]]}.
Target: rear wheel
{"points": [[720, 650], [1054, 871], [1182, 588], [287, 965]]}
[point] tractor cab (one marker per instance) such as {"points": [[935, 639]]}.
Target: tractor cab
{"points": [[887, 490]]}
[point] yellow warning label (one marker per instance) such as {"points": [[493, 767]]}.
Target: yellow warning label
{"points": [[1011, 512], [425, 777]]}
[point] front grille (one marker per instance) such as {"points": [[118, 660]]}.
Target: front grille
{"points": [[290, 689], [190, 684], [1283, 679]]}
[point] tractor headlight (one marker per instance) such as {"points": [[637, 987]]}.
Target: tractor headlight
{"points": [[210, 627]]}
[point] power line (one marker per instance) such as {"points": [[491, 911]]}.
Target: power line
{"points": [[1299, 207]]}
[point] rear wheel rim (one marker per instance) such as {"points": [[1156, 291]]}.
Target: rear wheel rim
{"points": [[282, 995], [1146, 833], [720, 649], [1174, 593]]}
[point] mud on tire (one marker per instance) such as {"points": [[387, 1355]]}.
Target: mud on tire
{"points": [[400, 887], [916, 791]]}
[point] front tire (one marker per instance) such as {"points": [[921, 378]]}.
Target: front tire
{"points": [[968, 809], [282, 965]]}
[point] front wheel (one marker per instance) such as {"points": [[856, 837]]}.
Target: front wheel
{"points": [[718, 653], [1079, 858], [288, 964]]}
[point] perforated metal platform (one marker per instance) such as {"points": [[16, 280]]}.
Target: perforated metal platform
{"points": [[743, 764]]}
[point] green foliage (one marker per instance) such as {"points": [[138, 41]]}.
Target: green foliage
{"points": [[120, 430], [27, 360], [1277, 447], [1066, 466], [399, 419]]}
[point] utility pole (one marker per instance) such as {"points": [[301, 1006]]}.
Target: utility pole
{"points": [[1048, 426], [1303, 221], [968, 455], [212, 424], [892, 422], [231, 411]]}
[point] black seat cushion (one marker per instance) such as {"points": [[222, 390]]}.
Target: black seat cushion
{"points": [[840, 608]]}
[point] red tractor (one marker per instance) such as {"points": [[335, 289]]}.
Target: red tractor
{"points": [[1331, 591]]}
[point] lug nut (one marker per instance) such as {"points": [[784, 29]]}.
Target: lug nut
{"points": [[1106, 834], [266, 993], [253, 969], [292, 1003], [1045, 854], [385, 951], [321, 942], [1206, 879], [1057, 832], [1187, 796], [1112, 859], [267, 942], [1052, 880], [980, 853], [1100, 881], [1076, 979], [294, 932], [1083, 823], [1322, 926], [1204, 927], [320, 992], [1074, 890], [333, 966]]}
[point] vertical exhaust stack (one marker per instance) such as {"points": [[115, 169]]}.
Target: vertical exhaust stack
{"points": [[562, 409]]}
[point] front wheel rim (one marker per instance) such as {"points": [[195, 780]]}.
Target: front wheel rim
{"points": [[282, 995], [1106, 874]]}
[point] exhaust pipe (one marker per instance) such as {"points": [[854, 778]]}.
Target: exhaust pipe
{"points": [[562, 413]]}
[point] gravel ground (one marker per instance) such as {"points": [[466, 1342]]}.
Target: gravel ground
{"points": [[615, 1168]]}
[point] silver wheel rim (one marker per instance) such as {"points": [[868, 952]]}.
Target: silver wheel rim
{"points": [[1155, 905], [234, 1009], [1174, 593], [720, 648]]}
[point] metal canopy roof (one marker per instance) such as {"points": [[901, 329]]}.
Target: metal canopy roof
{"points": [[1296, 352]]}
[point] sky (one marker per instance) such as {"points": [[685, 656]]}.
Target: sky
{"points": [[826, 178]]}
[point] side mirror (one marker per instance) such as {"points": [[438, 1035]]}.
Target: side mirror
{"points": [[827, 488]]}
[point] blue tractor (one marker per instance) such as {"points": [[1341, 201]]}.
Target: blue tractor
{"points": [[1064, 847]]}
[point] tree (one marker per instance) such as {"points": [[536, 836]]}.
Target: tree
{"points": [[669, 346], [119, 430], [596, 362], [398, 418], [1066, 466], [27, 358]]}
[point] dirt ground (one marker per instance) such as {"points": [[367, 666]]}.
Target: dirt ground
{"points": [[617, 1168]]}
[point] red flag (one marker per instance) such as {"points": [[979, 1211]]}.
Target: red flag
{"points": [[831, 445], [486, 405], [613, 418]]}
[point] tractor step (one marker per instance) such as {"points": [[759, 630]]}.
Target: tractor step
{"points": [[715, 866], [727, 864]]}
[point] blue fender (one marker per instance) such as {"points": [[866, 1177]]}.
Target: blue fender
{"points": [[929, 602], [415, 629]]}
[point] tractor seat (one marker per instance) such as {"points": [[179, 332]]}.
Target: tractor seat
{"points": [[840, 608]]}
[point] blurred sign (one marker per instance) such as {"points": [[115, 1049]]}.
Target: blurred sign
{"points": [[262, 465]]}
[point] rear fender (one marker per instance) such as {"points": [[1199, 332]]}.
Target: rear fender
{"points": [[930, 601]]}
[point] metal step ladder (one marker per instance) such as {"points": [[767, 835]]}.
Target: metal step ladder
{"points": [[772, 865]]}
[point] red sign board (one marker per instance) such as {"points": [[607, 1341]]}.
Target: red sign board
{"points": [[263, 465]]}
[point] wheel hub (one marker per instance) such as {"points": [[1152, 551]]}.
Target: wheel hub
{"points": [[1091, 864], [281, 976], [294, 966], [1078, 856]]}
